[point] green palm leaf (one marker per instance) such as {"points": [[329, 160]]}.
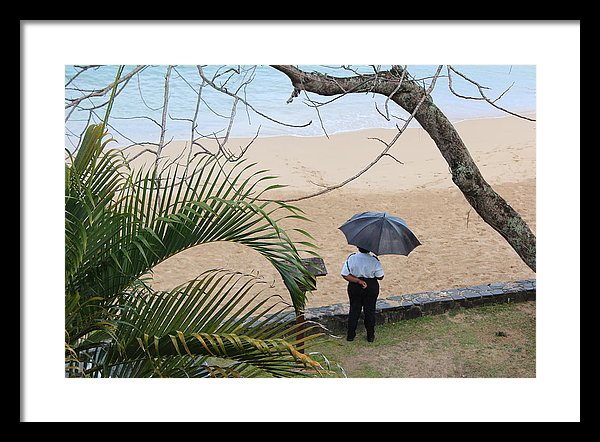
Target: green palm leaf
{"points": [[140, 222], [215, 325], [119, 225]]}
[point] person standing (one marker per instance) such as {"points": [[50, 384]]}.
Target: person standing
{"points": [[363, 272]]}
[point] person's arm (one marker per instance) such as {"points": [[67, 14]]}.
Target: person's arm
{"points": [[352, 278]]}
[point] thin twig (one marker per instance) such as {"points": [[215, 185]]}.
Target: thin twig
{"points": [[83, 69], [147, 149], [194, 124], [482, 97], [225, 91], [164, 115], [387, 111], [103, 91], [318, 115], [393, 158]]}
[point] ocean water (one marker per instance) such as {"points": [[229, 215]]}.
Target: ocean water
{"points": [[137, 110]]}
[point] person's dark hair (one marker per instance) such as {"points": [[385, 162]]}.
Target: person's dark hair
{"points": [[361, 250]]}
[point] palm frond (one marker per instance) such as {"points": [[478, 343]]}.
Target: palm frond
{"points": [[119, 224], [152, 217], [218, 317]]}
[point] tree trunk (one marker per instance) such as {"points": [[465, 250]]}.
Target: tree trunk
{"points": [[492, 208]]}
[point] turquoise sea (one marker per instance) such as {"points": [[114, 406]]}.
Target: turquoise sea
{"points": [[137, 111]]}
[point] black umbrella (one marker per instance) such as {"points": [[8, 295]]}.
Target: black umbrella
{"points": [[380, 233]]}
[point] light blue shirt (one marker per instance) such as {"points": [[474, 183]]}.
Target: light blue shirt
{"points": [[362, 265]]}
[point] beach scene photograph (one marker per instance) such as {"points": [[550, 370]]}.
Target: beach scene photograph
{"points": [[323, 224], [325, 159]]}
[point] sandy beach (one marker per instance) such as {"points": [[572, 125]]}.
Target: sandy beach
{"points": [[458, 249]]}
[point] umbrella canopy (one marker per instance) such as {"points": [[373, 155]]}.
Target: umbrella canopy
{"points": [[380, 233]]}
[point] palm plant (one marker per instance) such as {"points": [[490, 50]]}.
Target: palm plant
{"points": [[119, 224]]}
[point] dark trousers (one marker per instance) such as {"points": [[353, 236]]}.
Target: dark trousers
{"points": [[362, 300]]}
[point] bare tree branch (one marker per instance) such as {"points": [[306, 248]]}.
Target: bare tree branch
{"points": [[82, 69], [101, 92], [482, 96], [393, 158], [387, 100], [225, 91], [194, 124], [165, 108], [383, 153]]}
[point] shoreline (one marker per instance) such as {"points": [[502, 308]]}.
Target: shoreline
{"points": [[247, 138], [529, 114], [308, 164]]}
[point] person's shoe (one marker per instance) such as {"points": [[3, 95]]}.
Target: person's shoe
{"points": [[350, 337], [371, 338]]}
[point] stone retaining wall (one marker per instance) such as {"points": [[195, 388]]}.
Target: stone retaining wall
{"points": [[396, 308]]}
